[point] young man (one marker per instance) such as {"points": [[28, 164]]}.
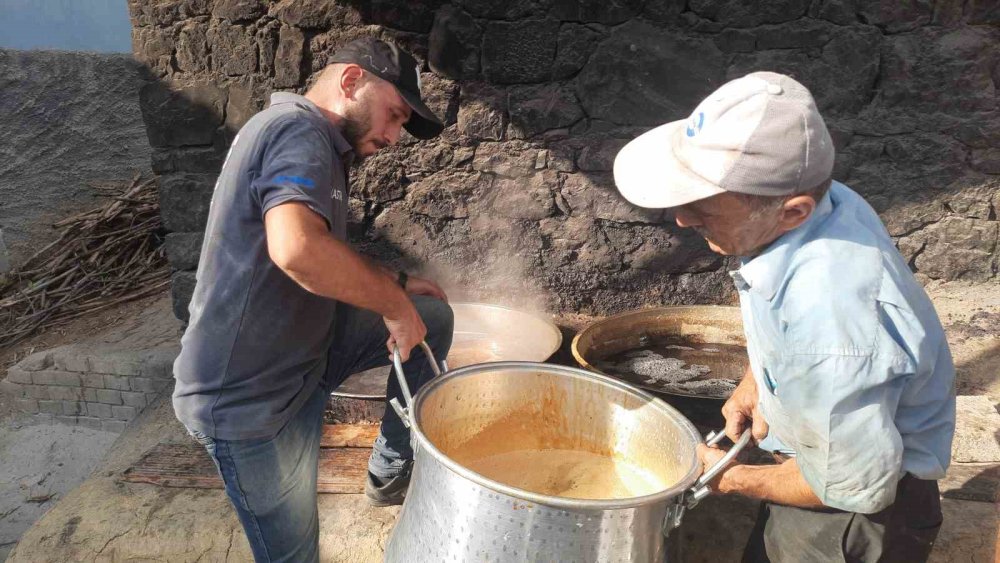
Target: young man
{"points": [[284, 309], [850, 381]]}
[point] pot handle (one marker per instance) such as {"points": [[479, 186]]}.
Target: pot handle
{"points": [[397, 364], [700, 489], [691, 497]]}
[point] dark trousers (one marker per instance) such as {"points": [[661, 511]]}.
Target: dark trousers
{"points": [[903, 532]]}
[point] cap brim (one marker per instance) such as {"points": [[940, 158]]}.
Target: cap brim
{"points": [[423, 124], [648, 174]]}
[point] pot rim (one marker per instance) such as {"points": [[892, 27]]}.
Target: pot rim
{"points": [[674, 492]]}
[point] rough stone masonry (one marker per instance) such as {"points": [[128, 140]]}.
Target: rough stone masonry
{"points": [[538, 96]]}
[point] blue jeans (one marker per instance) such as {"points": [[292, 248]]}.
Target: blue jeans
{"points": [[271, 482]]}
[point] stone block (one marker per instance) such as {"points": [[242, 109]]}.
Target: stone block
{"points": [[159, 362], [519, 52], [958, 248], [74, 408], [415, 15], [118, 382], [609, 12], [316, 14], [519, 198], [90, 395], [575, 45], [234, 49], [665, 11], [29, 406], [123, 413], [38, 391], [618, 83], [192, 48], [894, 16], [50, 407], [134, 399], [537, 109], [66, 394], [115, 364], [267, 46], [95, 380], [70, 359], [185, 201], [482, 112], [153, 47], [180, 114], [181, 289], [244, 101], [99, 410], [67, 419], [984, 12], [18, 375], [109, 396], [183, 249], [454, 44], [11, 389], [151, 398], [600, 156], [738, 13], [36, 361], [116, 426], [54, 377], [288, 57], [239, 10], [89, 422], [595, 196], [492, 10], [195, 160], [511, 160], [144, 384]]}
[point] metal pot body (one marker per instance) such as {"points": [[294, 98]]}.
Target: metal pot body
{"points": [[454, 514]]}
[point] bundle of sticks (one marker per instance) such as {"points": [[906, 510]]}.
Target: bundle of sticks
{"points": [[101, 258]]}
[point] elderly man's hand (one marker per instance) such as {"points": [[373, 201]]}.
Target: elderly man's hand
{"points": [[709, 456], [740, 411]]}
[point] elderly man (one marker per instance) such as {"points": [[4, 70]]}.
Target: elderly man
{"points": [[284, 309], [850, 381]]}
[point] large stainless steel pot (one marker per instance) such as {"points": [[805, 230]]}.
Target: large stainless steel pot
{"points": [[454, 514]]}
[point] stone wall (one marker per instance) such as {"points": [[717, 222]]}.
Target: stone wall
{"points": [[69, 121], [517, 196]]}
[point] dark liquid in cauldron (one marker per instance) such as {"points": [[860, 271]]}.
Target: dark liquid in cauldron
{"points": [[678, 365]]}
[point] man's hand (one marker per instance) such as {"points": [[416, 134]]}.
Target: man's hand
{"points": [[709, 456], [406, 330], [741, 411], [421, 286]]}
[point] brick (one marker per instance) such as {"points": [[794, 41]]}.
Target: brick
{"points": [[70, 359], [116, 426], [99, 410], [123, 413], [117, 382], [12, 389], [53, 377], [115, 365], [134, 399], [66, 419], [143, 384], [90, 395], [74, 408], [89, 422], [66, 393], [26, 405], [36, 361], [18, 375], [95, 380], [38, 391], [109, 396], [50, 407]]}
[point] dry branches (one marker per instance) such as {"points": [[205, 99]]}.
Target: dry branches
{"points": [[102, 257]]}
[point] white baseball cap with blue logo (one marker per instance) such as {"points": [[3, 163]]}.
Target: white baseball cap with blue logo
{"points": [[761, 134]]}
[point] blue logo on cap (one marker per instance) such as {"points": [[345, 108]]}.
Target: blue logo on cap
{"points": [[694, 128]]}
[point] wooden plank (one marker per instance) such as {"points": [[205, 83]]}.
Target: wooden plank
{"points": [[341, 470], [348, 435]]}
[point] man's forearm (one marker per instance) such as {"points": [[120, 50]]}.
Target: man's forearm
{"points": [[782, 484]]}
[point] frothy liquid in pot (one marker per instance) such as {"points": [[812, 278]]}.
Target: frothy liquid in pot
{"points": [[567, 473]]}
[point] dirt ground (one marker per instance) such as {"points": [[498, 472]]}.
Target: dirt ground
{"points": [[106, 519]]}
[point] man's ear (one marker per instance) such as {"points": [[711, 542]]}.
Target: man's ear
{"points": [[350, 80], [796, 211]]}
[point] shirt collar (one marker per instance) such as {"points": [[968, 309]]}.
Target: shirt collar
{"points": [[763, 273], [336, 136]]}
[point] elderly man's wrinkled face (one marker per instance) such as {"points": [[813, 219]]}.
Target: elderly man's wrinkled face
{"points": [[732, 227]]}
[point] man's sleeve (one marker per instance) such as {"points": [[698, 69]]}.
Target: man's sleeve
{"points": [[842, 410], [296, 165]]}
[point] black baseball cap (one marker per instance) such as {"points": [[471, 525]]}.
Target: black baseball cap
{"points": [[392, 64]]}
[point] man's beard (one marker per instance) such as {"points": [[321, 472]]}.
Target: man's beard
{"points": [[357, 123]]}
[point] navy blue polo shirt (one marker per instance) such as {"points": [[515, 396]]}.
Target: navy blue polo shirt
{"points": [[257, 342]]}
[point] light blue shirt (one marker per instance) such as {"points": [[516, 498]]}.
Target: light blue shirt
{"points": [[853, 372]]}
